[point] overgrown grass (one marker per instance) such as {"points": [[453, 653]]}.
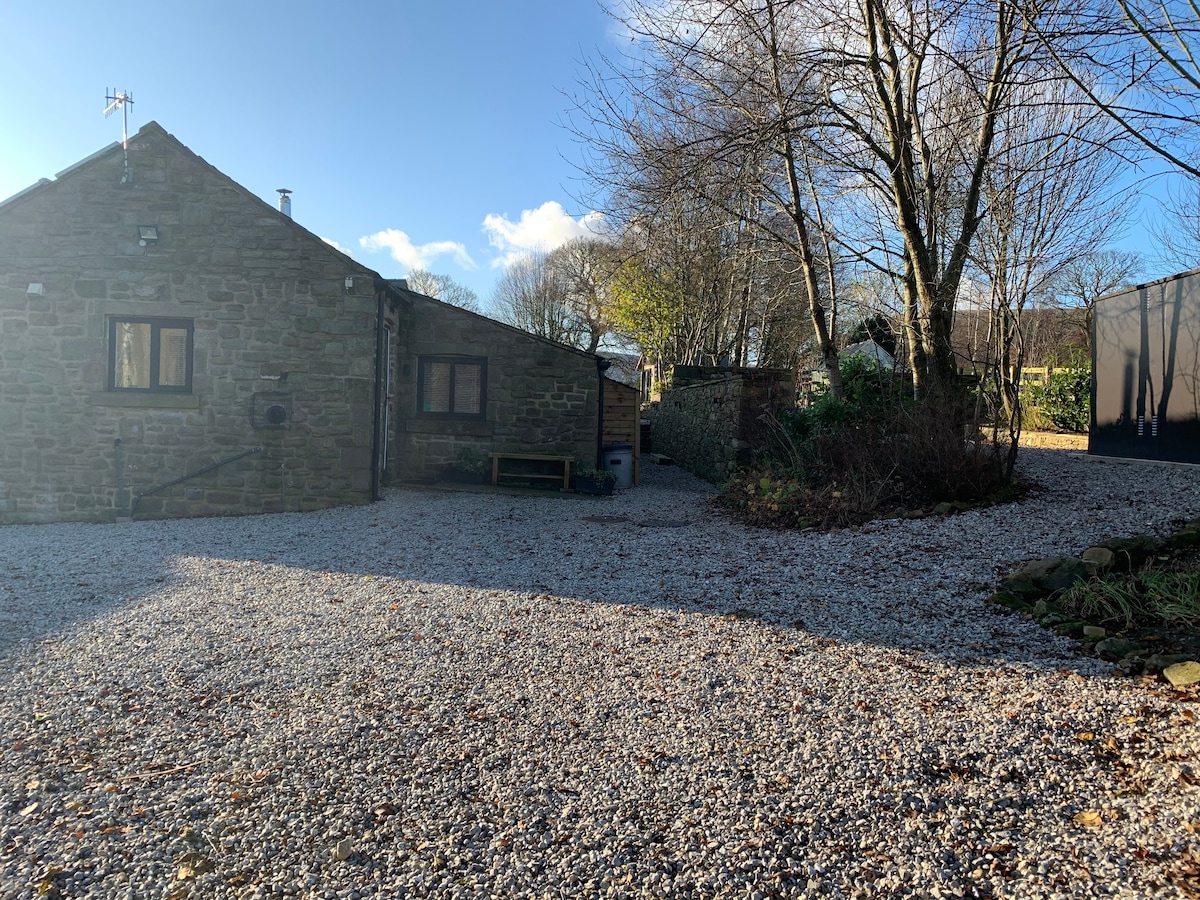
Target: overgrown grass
{"points": [[1152, 597]]}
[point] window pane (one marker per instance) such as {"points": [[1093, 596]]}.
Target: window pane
{"points": [[436, 393], [172, 357], [466, 389], [132, 369]]}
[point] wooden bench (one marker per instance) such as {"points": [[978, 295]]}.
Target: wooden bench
{"points": [[564, 461]]}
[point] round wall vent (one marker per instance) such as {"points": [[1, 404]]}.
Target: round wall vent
{"points": [[276, 414]]}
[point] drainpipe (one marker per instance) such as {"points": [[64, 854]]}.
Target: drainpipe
{"points": [[602, 366], [376, 415]]}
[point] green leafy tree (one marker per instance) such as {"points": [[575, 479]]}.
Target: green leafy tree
{"points": [[647, 307]]}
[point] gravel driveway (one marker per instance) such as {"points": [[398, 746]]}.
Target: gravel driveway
{"points": [[478, 695]]}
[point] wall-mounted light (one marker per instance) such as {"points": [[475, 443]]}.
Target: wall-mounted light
{"points": [[147, 234], [36, 289], [349, 282]]}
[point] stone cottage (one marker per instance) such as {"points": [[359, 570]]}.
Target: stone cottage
{"points": [[522, 393], [172, 345]]}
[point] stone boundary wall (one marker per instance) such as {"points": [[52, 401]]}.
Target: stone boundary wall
{"points": [[713, 427]]}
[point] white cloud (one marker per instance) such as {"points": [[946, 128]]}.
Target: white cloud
{"points": [[336, 246], [542, 229], [415, 256]]}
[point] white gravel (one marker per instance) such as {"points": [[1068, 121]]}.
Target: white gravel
{"points": [[473, 695]]}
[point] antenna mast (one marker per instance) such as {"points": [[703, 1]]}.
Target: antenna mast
{"points": [[121, 100]]}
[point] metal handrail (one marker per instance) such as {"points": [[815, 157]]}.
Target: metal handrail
{"points": [[191, 475]]}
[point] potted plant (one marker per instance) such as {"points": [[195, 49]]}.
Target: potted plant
{"points": [[469, 467], [590, 480]]}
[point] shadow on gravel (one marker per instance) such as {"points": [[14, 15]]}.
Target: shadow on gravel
{"points": [[55, 578], [911, 586]]}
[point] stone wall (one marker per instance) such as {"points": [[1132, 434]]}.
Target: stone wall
{"points": [[541, 397], [272, 318], [713, 425]]}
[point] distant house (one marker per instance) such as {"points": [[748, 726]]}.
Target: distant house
{"points": [[868, 350], [819, 377], [172, 345], [1146, 371]]}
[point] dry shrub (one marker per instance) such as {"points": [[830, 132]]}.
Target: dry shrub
{"points": [[873, 453]]}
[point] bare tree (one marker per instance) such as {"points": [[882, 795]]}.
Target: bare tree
{"points": [[1138, 61], [1050, 200], [584, 267], [1177, 233], [709, 120], [563, 294], [1082, 281], [444, 288], [817, 109], [723, 294], [918, 111], [529, 296]]}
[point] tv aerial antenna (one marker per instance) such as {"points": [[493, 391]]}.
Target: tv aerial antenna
{"points": [[121, 100]]}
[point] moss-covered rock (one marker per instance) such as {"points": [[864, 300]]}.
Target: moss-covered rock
{"points": [[1047, 576], [1185, 538], [1118, 648], [1020, 584], [1130, 554], [1009, 600]]}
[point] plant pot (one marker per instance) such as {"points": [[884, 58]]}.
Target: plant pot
{"points": [[591, 484]]}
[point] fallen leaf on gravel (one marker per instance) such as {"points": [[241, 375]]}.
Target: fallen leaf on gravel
{"points": [[1186, 876], [192, 864], [1085, 736], [49, 886], [1088, 819], [30, 809]]}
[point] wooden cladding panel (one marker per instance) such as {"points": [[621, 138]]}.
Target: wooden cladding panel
{"points": [[622, 419]]}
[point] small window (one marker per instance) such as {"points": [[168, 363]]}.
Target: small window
{"points": [[150, 355], [452, 386]]}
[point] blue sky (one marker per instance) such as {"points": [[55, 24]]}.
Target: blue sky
{"points": [[412, 133]]}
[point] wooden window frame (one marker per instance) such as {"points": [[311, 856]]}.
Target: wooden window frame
{"points": [[157, 324], [479, 362]]}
